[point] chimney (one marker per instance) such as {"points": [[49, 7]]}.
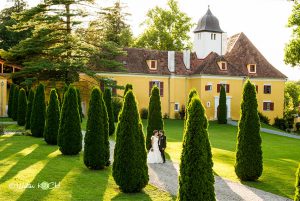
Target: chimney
{"points": [[187, 58], [171, 61]]}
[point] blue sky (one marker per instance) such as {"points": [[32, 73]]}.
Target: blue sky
{"points": [[264, 22]]}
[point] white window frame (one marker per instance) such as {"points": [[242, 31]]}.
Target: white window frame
{"points": [[149, 62], [210, 88], [213, 36], [249, 68], [268, 105], [176, 107], [157, 83], [264, 88]]}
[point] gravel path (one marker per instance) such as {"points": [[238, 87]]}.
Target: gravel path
{"points": [[164, 176], [234, 123]]}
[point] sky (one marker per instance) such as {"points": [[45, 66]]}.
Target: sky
{"points": [[263, 22]]}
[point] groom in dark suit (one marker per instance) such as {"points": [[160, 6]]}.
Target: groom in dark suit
{"points": [[162, 144]]}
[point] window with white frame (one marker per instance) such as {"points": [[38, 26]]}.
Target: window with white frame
{"points": [[268, 106], [251, 68], [152, 64], [267, 89], [176, 107], [160, 86]]}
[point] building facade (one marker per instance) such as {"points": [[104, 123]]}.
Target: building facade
{"points": [[215, 60]]}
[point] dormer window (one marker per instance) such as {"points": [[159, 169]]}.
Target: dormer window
{"points": [[251, 68], [152, 64], [222, 65], [213, 36]]}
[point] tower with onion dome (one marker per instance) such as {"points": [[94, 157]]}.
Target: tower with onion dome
{"points": [[209, 37]]}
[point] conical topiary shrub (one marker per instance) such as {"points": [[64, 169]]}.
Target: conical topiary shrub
{"points": [[105, 120], [29, 108], [79, 104], [130, 170], [108, 103], [15, 104], [222, 109], [249, 164], [95, 147], [52, 119], [192, 93], [69, 137], [196, 179], [11, 100], [297, 185], [127, 88], [155, 121], [38, 113], [22, 107]]}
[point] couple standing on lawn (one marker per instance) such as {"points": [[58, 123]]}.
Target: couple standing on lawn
{"points": [[157, 152]]}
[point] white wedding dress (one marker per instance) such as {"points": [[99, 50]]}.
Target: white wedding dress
{"points": [[154, 155]]}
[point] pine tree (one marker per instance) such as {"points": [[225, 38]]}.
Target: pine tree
{"points": [[69, 137], [127, 88], [38, 113], [15, 104], [196, 180], [249, 164], [297, 185], [29, 108], [52, 119], [222, 109], [79, 104], [22, 107], [95, 147], [155, 121], [108, 103], [11, 100], [130, 170]]}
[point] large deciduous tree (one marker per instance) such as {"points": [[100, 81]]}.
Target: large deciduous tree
{"points": [[69, 137], [9, 38], [249, 164], [130, 169], [52, 119], [166, 29], [155, 121], [196, 179], [38, 113], [291, 51]]}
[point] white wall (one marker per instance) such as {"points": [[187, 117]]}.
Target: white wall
{"points": [[203, 45]]}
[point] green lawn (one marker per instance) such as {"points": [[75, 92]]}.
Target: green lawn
{"points": [[27, 160], [6, 119], [281, 155]]}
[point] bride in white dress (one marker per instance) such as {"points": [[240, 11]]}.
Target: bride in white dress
{"points": [[154, 155]]}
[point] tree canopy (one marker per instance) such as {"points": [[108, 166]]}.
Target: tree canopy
{"points": [[166, 29]]}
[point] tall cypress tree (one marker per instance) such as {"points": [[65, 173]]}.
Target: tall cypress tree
{"points": [[155, 121], [127, 88], [69, 137], [79, 104], [249, 164], [15, 104], [105, 120], [11, 100], [192, 93], [22, 107], [38, 113], [95, 147], [222, 109], [130, 151], [108, 103], [29, 108], [196, 180], [52, 119], [297, 185]]}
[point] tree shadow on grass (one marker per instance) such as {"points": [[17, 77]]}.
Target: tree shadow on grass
{"points": [[23, 162], [90, 184], [49, 177]]}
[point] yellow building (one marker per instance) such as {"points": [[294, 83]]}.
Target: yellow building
{"points": [[215, 60]]}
